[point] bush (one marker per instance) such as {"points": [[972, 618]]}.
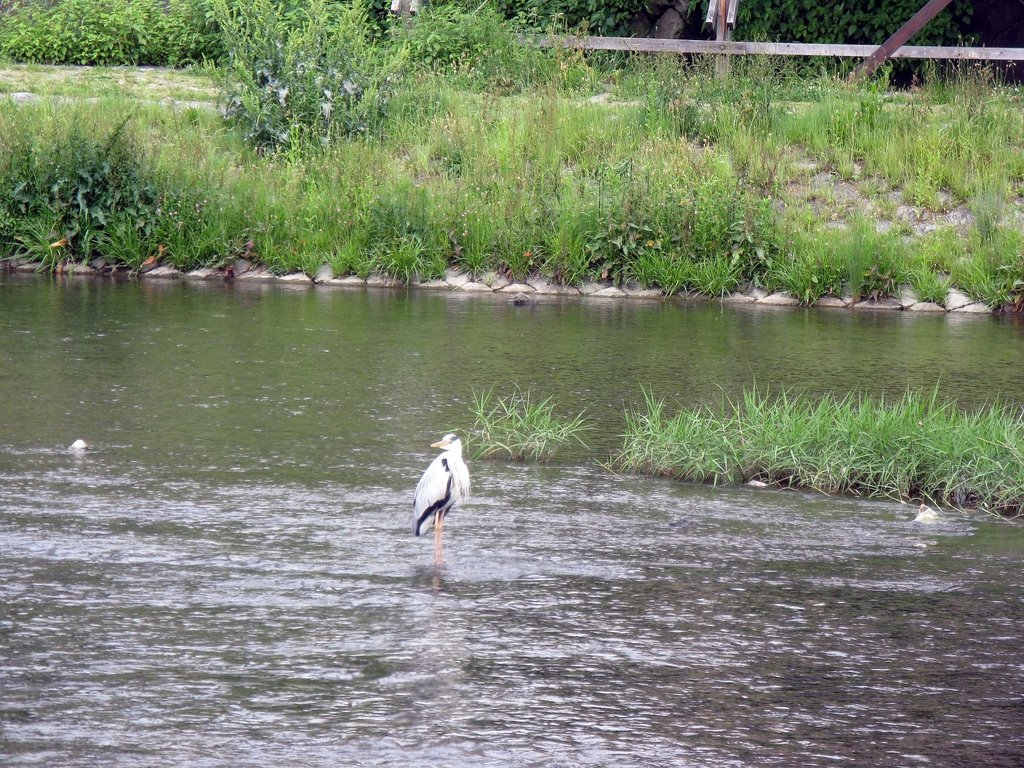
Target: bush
{"points": [[477, 42], [111, 32], [292, 82], [78, 191], [861, 21]]}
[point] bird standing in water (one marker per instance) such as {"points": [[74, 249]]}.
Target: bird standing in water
{"points": [[443, 486]]}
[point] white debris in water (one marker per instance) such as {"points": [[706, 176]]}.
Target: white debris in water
{"points": [[926, 515], [79, 446]]}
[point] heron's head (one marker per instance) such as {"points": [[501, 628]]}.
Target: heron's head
{"points": [[446, 442]]}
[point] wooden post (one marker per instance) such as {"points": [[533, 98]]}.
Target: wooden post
{"points": [[900, 36], [722, 33]]}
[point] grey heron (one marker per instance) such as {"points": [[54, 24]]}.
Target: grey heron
{"points": [[443, 486]]}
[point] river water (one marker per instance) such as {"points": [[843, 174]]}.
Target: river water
{"points": [[228, 578]]}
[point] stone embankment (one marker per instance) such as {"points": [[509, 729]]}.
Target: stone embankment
{"points": [[536, 286]]}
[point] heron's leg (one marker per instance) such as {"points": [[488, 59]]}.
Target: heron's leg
{"points": [[438, 546]]}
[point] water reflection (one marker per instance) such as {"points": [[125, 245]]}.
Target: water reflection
{"points": [[228, 579]]}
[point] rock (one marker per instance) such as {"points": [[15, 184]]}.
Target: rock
{"points": [[737, 298], [383, 281], [436, 284], [757, 484], [163, 270], [956, 299], [241, 266], [611, 292], [907, 297], [295, 278], [780, 299], [831, 302], [72, 268], [474, 287], [589, 287], [636, 290], [25, 265], [349, 281], [326, 272], [203, 273], [456, 278], [669, 25], [926, 306], [885, 302], [255, 274], [686, 296], [756, 292], [495, 281], [521, 300], [974, 308], [517, 288], [543, 286]]}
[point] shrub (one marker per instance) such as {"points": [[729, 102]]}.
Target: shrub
{"points": [[108, 32], [78, 190], [297, 82], [479, 44]]}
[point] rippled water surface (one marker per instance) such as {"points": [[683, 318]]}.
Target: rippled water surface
{"points": [[228, 578]]}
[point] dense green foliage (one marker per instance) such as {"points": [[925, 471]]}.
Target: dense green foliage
{"points": [[291, 83], [853, 21], [181, 32], [915, 447], [145, 32], [76, 192]]}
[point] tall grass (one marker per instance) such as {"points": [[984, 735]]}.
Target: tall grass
{"points": [[681, 182], [910, 448], [521, 427]]}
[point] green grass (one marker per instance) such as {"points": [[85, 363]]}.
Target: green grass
{"points": [[678, 181], [914, 447], [520, 427]]}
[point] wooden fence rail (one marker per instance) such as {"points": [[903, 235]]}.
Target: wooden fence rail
{"points": [[733, 48]]}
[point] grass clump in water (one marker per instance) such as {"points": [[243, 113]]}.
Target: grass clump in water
{"points": [[521, 428], [915, 447]]}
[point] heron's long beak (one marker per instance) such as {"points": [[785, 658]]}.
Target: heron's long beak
{"points": [[440, 444]]}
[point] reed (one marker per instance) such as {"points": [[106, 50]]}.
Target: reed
{"points": [[522, 428], [915, 447]]}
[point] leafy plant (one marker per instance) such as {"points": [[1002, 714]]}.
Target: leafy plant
{"points": [[150, 32], [291, 83], [874, 260], [809, 272]]}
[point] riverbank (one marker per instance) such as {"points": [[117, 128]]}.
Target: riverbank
{"points": [[646, 180], [526, 291]]}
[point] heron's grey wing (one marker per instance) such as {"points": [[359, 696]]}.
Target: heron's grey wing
{"points": [[433, 493]]}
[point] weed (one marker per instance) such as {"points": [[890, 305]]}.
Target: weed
{"points": [[521, 428]]}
